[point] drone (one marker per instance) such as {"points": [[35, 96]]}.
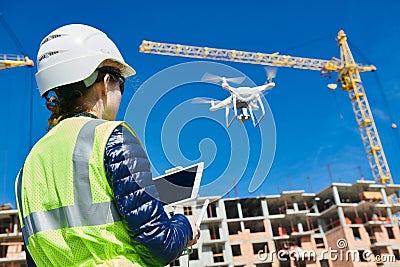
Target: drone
{"points": [[243, 100]]}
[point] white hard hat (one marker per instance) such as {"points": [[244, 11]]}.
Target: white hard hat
{"points": [[72, 53]]}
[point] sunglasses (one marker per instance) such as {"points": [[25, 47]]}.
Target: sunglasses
{"points": [[115, 75]]}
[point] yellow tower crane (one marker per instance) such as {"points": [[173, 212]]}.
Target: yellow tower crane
{"points": [[348, 75], [11, 61]]}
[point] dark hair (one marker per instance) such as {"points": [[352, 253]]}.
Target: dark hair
{"points": [[67, 100]]}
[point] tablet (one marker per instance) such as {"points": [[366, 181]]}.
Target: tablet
{"points": [[180, 185]]}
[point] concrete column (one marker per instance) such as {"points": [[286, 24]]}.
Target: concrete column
{"points": [[390, 215], [224, 231], [315, 205], [240, 212], [14, 220], [239, 207], [221, 207], [264, 207], [341, 216], [228, 249], [388, 210], [321, 225], [295, 206], [300, 226], [336, 196], [385, 198]]}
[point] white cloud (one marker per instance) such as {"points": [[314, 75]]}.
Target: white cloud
{"points": [[380, 114]]}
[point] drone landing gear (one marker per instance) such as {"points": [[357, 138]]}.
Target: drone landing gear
{"points": [[257, 121]]}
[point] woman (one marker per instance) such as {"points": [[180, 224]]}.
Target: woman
{"points": [[84, 194]]}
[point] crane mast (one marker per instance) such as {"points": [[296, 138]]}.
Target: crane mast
{"points": [[348, 75], [350, 79], [11, 61]]}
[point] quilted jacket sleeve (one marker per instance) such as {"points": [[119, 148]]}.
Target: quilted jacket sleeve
{"points": [[128, 170]]}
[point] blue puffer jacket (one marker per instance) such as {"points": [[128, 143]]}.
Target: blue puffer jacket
{"points": [[128, 170]]}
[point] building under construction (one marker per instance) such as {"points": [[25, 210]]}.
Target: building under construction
{"points": [[342, 225], [12, 250]]}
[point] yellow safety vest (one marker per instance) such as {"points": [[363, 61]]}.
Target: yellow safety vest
{"points": [[66, 206]]}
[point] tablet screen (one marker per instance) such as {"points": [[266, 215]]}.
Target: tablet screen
{"points": [[179, 186]]}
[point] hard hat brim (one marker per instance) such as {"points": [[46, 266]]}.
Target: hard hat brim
{"points": [[127, 70]]}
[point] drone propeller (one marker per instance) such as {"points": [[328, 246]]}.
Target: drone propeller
{"points": [[215, 78], [271, 72], [199, 100]]}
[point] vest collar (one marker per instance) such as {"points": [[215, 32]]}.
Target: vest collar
{"points": [[72, 115]]}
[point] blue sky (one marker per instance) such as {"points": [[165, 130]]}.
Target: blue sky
{"points": [[314, 126]]}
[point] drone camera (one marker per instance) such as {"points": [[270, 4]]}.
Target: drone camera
{"points": [[243, 118]]}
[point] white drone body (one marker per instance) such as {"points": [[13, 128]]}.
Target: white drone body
{"points": [[243, 100]]}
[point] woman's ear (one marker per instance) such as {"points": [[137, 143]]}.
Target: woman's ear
{"points": [[106, 81]]}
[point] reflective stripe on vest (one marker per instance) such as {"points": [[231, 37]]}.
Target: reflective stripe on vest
{"points": [[83, 212]]}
